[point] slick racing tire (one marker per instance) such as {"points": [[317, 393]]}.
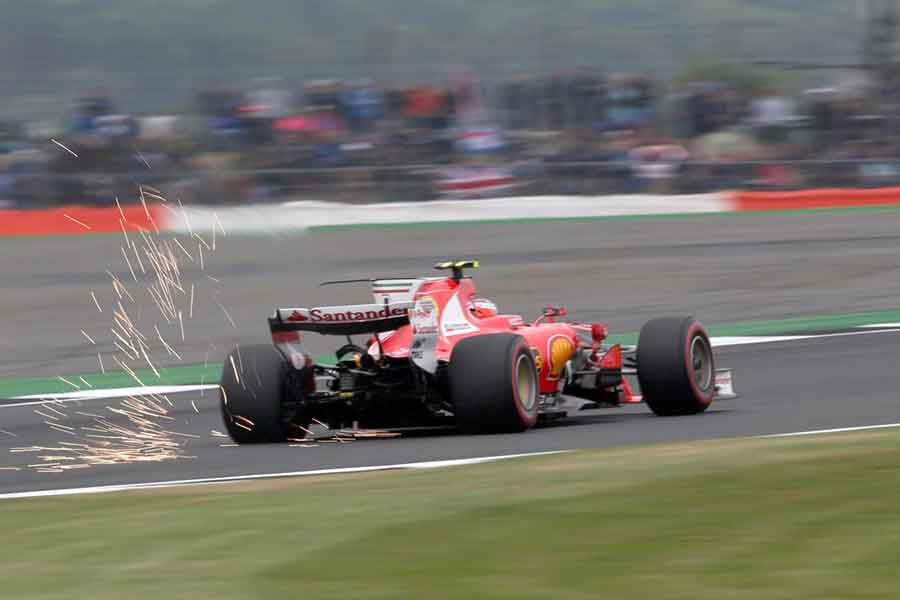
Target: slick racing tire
{"points": [[675, 366], [493, 384], [251, 394]]}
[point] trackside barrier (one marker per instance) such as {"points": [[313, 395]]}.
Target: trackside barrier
{"points": [[79, 220], [294, 216], [815, 198], [297, 216]]}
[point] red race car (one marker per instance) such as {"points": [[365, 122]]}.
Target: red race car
{"points": [[437, 354]]}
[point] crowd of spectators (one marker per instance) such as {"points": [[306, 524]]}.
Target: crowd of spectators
{"points": [[573, 132]]}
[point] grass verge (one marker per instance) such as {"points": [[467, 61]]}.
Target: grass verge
{"points": [[755, 518], [176, 375]]}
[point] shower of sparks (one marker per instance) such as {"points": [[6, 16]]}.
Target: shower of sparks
{"points": [[74, 220], [219, 223], [149, 362], [187, 221], [227, 315], [64, 380], [96, 303], [171, 210], [49, 406], [64, 147], [303, 429], [183, 249], [244, 422], [139, 428], [128, 262], [143, 160], [118, 286], [234, 369], [147, 210], [137, 256], [202, 241], [122, 225], [165, 344], [45, 415]]}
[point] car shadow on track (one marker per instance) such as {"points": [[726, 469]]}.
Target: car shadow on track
{"points": [[582, 419]]}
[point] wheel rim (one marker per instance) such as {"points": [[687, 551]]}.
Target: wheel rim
{"points": [[701, 363], [525, 385]]}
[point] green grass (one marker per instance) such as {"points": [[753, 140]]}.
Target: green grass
{"points": [[787, 518], [176, 375]]}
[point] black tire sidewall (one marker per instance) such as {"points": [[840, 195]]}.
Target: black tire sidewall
{"points": [[483, 384], [665, 370], [255, 393]]}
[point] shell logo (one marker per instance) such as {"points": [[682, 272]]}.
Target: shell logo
{"points": [[561, 349], [538, 360]]}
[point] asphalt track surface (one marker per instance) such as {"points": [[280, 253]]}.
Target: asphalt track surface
{"points": [[719, 268]]}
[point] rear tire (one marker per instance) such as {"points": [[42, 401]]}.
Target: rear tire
{"points": [[493, 384], [251, 394], [675, 366]]}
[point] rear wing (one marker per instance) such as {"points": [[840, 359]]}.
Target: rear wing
{"points": [[342, 320], [394, 290]]}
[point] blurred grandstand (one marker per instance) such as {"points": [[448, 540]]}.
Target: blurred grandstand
{"points": [[574, 131]]}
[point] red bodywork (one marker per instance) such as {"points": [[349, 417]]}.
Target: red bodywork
{"points": [[553, 343]]}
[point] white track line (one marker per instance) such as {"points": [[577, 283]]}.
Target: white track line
{"points": [[835, 430], [434, 464], [720, 341], [36, 399]]}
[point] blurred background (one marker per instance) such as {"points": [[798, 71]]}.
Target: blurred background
{"points": [[232, 102]]}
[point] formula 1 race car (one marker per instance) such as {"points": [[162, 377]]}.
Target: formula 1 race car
{"points": [[438, 354]]}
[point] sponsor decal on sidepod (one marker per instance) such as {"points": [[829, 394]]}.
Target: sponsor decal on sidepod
{"points": [[560, 349]]}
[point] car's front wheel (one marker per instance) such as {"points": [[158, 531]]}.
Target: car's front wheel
{"points": [[676, 367]]}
